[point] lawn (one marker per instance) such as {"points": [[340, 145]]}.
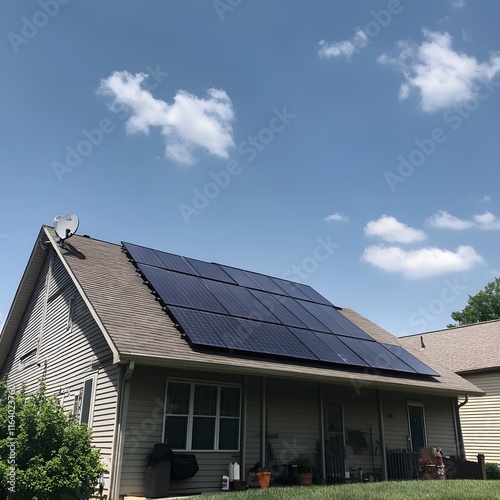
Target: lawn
{"points": [[411, 490]]}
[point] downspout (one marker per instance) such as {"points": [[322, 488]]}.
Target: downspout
{"points": [[322, 433], [460, 437], [243, 434], [263, 430], [383, 454], [116, 464]]}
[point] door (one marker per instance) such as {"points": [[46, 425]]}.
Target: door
{"points": [[334, 435], [416, 424]]}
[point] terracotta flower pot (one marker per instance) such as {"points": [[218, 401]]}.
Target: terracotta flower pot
{"points": [[305, 478], [264, 479]]}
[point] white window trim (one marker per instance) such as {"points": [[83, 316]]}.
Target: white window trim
{"points": [[92, 399], [419, 404], [190, 415]]}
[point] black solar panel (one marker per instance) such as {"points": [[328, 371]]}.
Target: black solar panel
{"points": [[376, 355], [165, 260], [411, 360], [228, 308], [178, 289], [328, 348], [238, 301], [209, 270]]}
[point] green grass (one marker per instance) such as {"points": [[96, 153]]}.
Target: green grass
{"points": [[411, 490]]}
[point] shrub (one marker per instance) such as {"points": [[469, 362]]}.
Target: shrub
{"points": [[44, 452], [492, 471]]}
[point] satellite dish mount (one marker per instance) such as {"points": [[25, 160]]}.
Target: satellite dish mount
{"points": [[65, 226]]}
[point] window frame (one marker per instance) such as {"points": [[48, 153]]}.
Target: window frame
{"points": [[79, 398], [417, 404], [191, 416]]}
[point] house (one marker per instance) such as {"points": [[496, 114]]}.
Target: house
{"points": [[472, 351], [147, 346]]}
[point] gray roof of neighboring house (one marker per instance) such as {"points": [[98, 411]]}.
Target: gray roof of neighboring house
{"points": [[462, 349], [137, 328]]}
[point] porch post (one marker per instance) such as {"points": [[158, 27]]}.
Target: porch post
{"points": [[382, 436], [263, 430], [322, 433], [243, 433]]}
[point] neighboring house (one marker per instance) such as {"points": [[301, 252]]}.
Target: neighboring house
{"points": [[141, 366], [472, 351]]}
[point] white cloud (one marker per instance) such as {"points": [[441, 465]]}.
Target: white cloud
{"points": [[442, 76], [421, 263], [188, 123], [345, 47], [466, 36], [390, 229], [487, 221], [445, 220], [457, 4], [336, 217], [486, 198]]}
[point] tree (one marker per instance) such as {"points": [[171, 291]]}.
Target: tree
{"points": [[484, 306], [44, 452]]}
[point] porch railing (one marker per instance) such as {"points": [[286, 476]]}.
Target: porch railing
{"points": [[402, 465]]}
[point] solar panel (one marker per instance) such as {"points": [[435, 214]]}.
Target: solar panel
{"points": [[274, 305], [313, 295], [181, 289], [328, 348], [209, 270], [205, 328], [290, 289], [274, 339], [238, 301], [143, 255], [376, 355], [411, 360], [229, 308], [334, 320], [241, 277]]}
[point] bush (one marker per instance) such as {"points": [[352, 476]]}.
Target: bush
{"points": [[44, 452], [492, 471]]}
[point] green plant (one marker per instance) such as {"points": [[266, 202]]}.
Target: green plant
{"points": [[44, 452], [492, 471], [303, 463]]}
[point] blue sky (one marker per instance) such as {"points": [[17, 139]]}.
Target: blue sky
{"points": [[352, 146]]}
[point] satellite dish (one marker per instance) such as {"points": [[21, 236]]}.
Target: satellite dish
{"points": [[66, 226]]}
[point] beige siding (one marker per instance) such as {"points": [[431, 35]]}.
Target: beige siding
{"points": [[66, 357], [480, 418], [144, 429], [440, 426], [253, 421]]}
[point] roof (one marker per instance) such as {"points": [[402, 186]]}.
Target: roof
{"points": [[462, 349], [137, 328]]}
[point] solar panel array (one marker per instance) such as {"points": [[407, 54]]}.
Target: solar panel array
{"points": [[241, 311]]}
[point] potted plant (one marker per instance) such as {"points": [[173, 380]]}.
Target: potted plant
{"points": [[264, 476], [304, 469]]}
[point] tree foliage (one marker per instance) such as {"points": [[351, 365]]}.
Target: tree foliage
{"points": [[44, 452], [484, 306]]}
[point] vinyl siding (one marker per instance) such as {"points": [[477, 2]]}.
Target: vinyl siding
{"points": [[480, 418], [66, 357], [440, 427], [144, 428]]}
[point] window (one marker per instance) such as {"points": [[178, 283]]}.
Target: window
{"points": [[202, 416], [416, 426], [71, 312], [84, 402], [27, 359]]}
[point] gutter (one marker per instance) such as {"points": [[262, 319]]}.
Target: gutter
{"points": [[458, 426], [121, 424]]}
